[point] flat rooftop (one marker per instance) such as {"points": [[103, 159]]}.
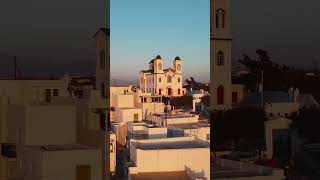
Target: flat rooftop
{"points": [[174, 116], [67, 147], [189, 125], [181, 175], [172, 145]]}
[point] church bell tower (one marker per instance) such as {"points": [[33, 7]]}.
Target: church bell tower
{"points": [[220, 55]]}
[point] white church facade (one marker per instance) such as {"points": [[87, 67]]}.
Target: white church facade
{"points": [[160, 81]]}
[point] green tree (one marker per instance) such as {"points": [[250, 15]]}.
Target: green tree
{"points": [[237, 124], [183, 102], [307, 123]]}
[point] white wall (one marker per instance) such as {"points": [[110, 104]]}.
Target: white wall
{"points": [[53, 165], [200, 133], [123, 101], [173, 160], [46, 124], [127, 114]]}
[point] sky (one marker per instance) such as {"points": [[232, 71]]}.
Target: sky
{"points": [[52, 37], [142, 29], [288, 29]]}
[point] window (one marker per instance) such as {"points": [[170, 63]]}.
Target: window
{"points": [[8, 150], [159, 91], [102, 89], [178, 79], [169, 79], [234, 97], [135, 118], [208, 137], [159, 66], [103, 121], [179, 67], [111, 148], [83, 172], [55, 92], [102, 59], [220, 18], [220, 58], [48, 95], [178, 91], [220, 95], [159, 79]]}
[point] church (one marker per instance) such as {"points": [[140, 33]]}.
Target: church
{"points": [[223, 94], [160, 81]]}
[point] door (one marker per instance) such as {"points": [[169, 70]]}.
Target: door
{"points": [[48, 95], [220, 95], [281, 144], [83, 172], [135, 118], [169, 92]]}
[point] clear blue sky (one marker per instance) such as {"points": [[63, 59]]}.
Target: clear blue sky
{"points": [[141, 29]]}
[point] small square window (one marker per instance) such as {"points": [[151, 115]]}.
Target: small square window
{"points": [[56, 92], [8, 150]]}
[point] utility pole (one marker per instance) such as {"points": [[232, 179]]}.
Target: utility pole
{"points": [[262, 98]]}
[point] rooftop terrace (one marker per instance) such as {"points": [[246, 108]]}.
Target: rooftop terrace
{"points": [[172, 145]]}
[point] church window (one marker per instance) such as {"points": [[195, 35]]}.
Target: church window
{"points": [[220, 58], [179, 67], [220, 18], [169, 79], [160, 66], [102, 59]]}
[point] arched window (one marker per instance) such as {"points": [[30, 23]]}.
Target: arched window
{"points": [[179, 92], [179, 67], [169, 79], [178, 79], [160, 79], [220, 58], [102, 59], [159, 66], [220, 95], [220, 18]]}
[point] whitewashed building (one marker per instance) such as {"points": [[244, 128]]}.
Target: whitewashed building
{"points": [[161, 81], [170, 155]]}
